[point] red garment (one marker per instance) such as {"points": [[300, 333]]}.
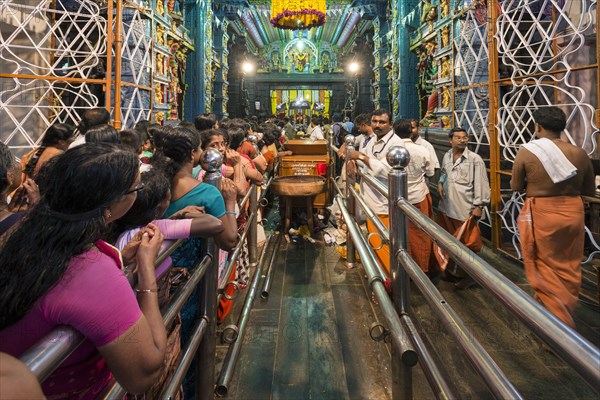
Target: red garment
{"points": [[246, 148], [419, 244], [225, 305], [471, 238]]}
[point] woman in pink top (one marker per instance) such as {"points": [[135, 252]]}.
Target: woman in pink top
{"points": [[55, 270], [151, 204]]}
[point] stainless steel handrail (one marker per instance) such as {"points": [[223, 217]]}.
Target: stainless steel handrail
{"points": [[234, 348], [380, 187], [383, 231], [483, 362], [189, 353], [398, 333], [571, 346], [246, 197], [49, 352], [114, 391], [183, 294], [235, 255], [433, 374], [335, 185], [53, 349], [269, 272]]}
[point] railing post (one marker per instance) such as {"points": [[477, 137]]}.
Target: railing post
{"points": [[252, 233], [333, 156], [350, 251], [205, 369], [398, 158]]}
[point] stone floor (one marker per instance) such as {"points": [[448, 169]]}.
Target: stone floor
{"points": [[310, 339]]}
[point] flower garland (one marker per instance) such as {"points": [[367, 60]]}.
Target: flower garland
{"points": [[296, 15]]}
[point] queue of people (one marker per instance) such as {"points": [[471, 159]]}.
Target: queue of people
{"points": [[92, 202], [553, 173]]}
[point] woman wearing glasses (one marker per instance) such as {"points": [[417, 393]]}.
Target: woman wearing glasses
{"points": [[55, 269]]}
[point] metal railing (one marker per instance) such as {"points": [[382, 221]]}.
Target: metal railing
{"points": [[54, 348], [50, 351], [567, 343]]}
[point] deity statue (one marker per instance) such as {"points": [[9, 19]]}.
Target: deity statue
{"points": [[445, 121], [429, 14], [445, 97], [430, 47], [429, 121], [326, 62], [160, 7], [445, 67], [170, 6], [158, 94], [444, 8], [300, 61], [425, 10], [445, 36], [275, 61], [160, 65], [159, 117], [160, 35]]}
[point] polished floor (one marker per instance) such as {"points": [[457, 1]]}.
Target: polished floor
{"points": [[310, 339]]}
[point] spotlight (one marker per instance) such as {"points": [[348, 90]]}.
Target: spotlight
{"points": [[247, 67], [353, 67]]}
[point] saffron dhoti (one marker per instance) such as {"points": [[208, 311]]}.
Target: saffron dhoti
{"points": [[419, 244], [551, 231]]}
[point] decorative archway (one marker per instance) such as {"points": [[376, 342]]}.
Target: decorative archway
{"points": [[300, 55]]}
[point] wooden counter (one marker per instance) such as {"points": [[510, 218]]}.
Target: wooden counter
{"points": [[314, 165]]}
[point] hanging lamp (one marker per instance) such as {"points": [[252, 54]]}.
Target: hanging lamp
{"points": [[297, 14]]}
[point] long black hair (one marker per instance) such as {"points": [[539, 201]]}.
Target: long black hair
{"points": [[76, 188], [102, 134], [54, 134], [177, 147], [143, 211]]}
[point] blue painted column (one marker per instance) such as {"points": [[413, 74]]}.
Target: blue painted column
{"points": [[196, 21], [408, 103]]}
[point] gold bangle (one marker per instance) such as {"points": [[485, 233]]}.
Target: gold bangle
{"points": [[146, 290]]}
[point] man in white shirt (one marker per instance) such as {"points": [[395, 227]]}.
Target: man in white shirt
{"points": [[372, 160], [422, 142], [464, 192], [419, 167], [316, 133], [89, 119]]}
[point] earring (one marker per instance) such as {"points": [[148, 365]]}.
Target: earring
{"points": [[108, 213]]}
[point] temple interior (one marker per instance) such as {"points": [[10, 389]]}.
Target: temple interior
{"points": [[483, 65]]}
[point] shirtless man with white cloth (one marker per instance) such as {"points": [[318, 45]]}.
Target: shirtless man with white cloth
{"points": [[554, 174]]}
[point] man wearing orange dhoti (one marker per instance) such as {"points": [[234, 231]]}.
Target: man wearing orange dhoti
{"points": [[554, 175], [372, 160], [464, 192], [421, 165]]}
